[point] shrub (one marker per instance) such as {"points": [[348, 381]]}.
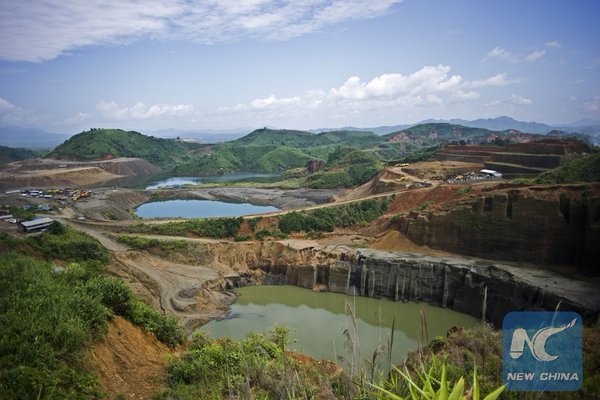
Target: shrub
{"points": [[327, 219], [164, 328], [46, 322], [213, 227], [242, 238], [464, 190], [262, 234], [113, 293]]}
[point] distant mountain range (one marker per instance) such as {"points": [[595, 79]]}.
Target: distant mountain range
{"points": [[502, 123], [39, 139]]}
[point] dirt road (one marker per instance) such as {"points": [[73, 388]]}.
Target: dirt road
{"points": [[183, 290]]}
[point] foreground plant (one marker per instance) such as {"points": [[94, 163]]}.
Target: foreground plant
{"points": [[430, 388]]}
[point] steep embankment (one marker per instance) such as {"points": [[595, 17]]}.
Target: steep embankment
{"points": [[544, 225], [465, 285], [58, 173], [112, 204], [56, 178], [129, 360]]}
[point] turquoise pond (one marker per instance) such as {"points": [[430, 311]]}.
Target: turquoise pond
{"points": [[198, 209]]}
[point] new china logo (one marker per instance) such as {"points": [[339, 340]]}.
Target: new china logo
{"points": [[542, 351]]}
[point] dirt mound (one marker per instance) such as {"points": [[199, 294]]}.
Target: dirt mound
{"points": [[129, 361], [408, 200], [439, 170], [396, 241], [55, 177], [60, 173]]}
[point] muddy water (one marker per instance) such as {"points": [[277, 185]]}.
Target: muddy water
{"points": [[198, 209], [317, 321]]}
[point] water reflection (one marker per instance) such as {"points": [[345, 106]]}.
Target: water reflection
{"points": [[318, 320]]}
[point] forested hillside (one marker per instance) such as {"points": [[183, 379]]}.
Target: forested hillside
{"points": [[274, 151], [111, 143]]}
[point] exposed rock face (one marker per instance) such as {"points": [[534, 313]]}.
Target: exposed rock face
{"points": [[313, 166], [543, 226], [453, 282]]}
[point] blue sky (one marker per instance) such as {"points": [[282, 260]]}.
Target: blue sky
{"points": [[69, 65]]}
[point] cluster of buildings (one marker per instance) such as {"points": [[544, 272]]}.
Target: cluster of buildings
{"points": [[34, 225], [483, 174], [41, 201], [60, 194]]}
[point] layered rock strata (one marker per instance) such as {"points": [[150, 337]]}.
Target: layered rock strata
{"points": [[536, 225], [480, 288]]}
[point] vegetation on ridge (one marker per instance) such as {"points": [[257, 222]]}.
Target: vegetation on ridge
{"points": [[10, 154], [346, 167], [584, 169], [97, 144], [54, 303]]}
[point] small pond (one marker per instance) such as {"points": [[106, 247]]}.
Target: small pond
{"points": [[317, 320], [198, 209], [179, 181]]}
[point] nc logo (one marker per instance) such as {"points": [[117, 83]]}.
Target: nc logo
{"points": [[536, 344]]}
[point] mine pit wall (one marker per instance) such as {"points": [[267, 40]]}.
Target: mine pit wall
{"points": [[542, 228], [446, 282]]}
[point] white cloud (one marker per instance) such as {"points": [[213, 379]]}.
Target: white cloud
{"points": [[513, 99], [140, 111], [430, 86], [503, 54], [273, 102], [428, 80], [593, 105], [13, 114], [5, 105], [496, 80], [498, 52], [38, 30], [519, 100], [535, 56], [554, 44], [77, 119]]}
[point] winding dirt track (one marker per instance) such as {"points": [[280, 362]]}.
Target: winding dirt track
{"points": [[179, 285]]}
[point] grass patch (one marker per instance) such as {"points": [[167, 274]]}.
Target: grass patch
{"points": [[422, 206], [257, 366], [327, 219], [214, 227], [54, 302]]}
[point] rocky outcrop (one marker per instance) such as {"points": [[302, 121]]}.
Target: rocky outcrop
{"points": [[313, 166], [540, 225], [479, 288]]}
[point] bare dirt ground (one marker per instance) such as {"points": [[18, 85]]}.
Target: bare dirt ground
{"points": [[439, 170], [129, 361], [393, 240], [82, 176]]}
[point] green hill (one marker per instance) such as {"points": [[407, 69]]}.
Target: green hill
{"points": [[227, 158], [271, 150], [346, 167], [443, 131], [279, 137], [584, 169], [280, 159], [10, 154], [110, 143], [290, 138]]}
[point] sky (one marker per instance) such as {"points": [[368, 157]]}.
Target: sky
{"points": [[69, 65]]}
